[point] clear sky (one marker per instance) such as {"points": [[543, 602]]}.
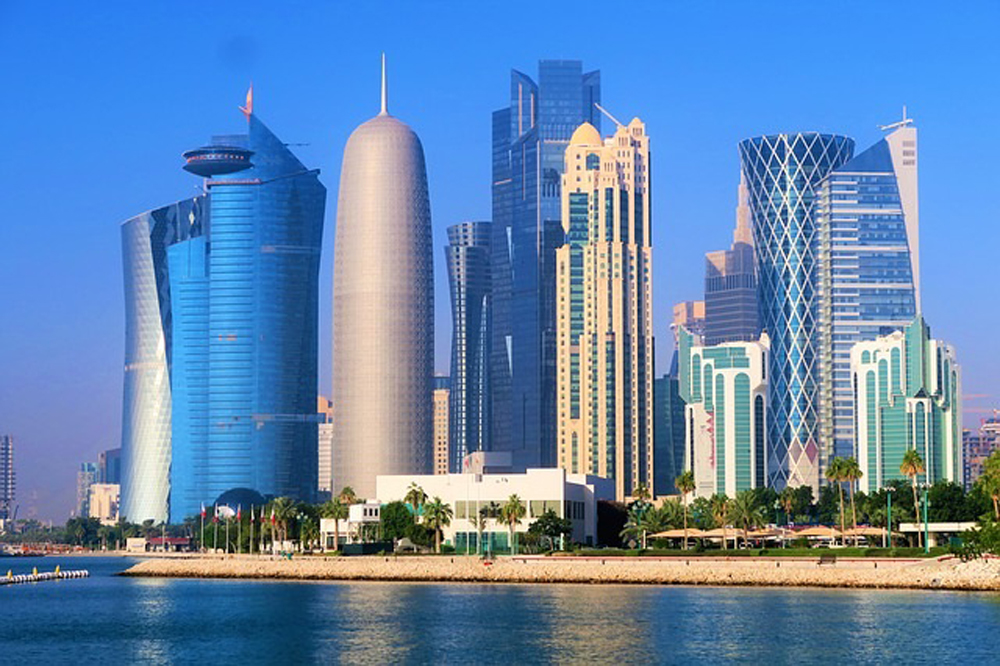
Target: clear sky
{"points": [[99, 100]]}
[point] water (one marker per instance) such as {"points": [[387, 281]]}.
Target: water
{"points": [[111, 620]]}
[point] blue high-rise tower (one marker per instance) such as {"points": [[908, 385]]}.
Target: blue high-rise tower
{"points": [[468, 258], [782, 173], [530, 136]]}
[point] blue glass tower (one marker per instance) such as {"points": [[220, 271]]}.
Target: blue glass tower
{"points": [[782, 173], [530, 137], [468, 258], [245, 326], [867, 286], [146, 402]]}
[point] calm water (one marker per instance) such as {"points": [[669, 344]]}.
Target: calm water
{"points": [[105, 619]]}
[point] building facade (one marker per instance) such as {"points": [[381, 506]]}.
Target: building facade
{"points": [[571, 496], [86, 476], [725, 391], [442, 431], [668, 434], [324, 464], [604, 309], [102, 502], [690, 315], [530, 136], [383, 307], [468, 259], [907, 396], [977, 446], [782, 173], [7, 478], [867, 258], [109, 466], [731, 311]]}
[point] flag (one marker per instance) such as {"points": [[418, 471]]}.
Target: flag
{"points": [[262, 515], [239, 512], [251, 513], [215, 515], [203, 510], [273, 519]]}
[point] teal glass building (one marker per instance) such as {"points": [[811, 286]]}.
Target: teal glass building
{"points": [[467, 256], [530, 136], [782, 173]]}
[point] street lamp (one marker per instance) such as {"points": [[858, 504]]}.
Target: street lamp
{"points": [[888, 516], [927, 543]]}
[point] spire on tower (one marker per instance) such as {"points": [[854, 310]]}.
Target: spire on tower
{"points": [[385, 91], [248, 109]]}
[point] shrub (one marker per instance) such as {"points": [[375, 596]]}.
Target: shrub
{"points": [[979, 542]]}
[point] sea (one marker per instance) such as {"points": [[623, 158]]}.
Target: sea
{"points": [[108, 619]]}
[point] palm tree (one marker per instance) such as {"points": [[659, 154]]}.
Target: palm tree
{"points": [[989, 480], [348, 496], [641, 492], [284, 510], [338, 511], [913, 466], [852, 473], [746, 513], [415, 497], [721, 506], [636, 525], [835, 474], [511, 513], [478, 521], [437, 514], [685, 484], [787, 499]]}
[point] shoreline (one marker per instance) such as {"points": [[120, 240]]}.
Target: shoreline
{"points": [[941, 574]]}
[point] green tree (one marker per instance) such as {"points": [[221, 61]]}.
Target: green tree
{"points": [[415, 497], [912, 467], [701, 513], [437, 515], [636, 526], [641, 492], [851, 472], [685, 485], [803, 500], [511, 513], [989, 481], [835, 474], [337, 511], [284, 512], [787, 499], [721, 506], [746, 514], [551, 527], [396, 520], [949, 503], [348, 496]]}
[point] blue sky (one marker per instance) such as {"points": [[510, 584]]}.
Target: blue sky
{"points": [[99, 100]]}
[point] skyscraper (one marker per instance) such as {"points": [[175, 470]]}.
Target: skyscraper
{"points": [[442, 438], [146, 400], [782, 172], [245, 297], [7, 478], [530, 136], [109, 466], [383, 304], [690, 315], [324, 451], [468, 258], [604, 307], [867, 283], [221, 321], [908, 395], [724, 388], [731, 313], [86, 476], [668, 433]]}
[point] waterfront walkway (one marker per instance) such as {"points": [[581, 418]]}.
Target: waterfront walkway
{"points": [[944, 573]]}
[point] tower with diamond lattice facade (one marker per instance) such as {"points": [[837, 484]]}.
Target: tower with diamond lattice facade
{"points": [[782, 172]]}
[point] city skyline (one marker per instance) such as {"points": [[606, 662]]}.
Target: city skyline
{"points": [[950, 132]]}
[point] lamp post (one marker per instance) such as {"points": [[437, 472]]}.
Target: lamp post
{"points": [[888, 516], [927, 543]]}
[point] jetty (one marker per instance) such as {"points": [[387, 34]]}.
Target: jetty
{"points": [[35, 577]]}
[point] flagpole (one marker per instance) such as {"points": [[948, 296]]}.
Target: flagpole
{"points": [[215, 521], [228, 520], [239, 531], [250, 544], [201, 544]]}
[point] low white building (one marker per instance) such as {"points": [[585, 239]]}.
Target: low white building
{"points": [[572, 496]]}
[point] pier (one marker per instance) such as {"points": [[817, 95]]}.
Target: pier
{"points": [[34, 577]]}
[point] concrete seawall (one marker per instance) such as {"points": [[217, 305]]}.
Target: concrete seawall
{"points": [[946, 574]]}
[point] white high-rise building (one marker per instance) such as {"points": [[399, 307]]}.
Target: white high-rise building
{"points": [[604, 279], [383, 305]]}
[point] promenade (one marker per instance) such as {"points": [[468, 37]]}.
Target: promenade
{"points": [[944, 574]]}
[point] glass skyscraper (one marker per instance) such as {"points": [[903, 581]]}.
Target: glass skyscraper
{"points": [[866, 259], [468, 260], [146, 404], [530, 136], [221, 326], [782, 173], [668, 433]]}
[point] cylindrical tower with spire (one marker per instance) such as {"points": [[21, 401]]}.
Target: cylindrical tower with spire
{"points": [[383, 307]]}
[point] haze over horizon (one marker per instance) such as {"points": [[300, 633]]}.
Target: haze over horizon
{"points": [[102, 101]]}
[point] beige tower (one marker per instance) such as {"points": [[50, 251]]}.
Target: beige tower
{"points": [[604, 309]]}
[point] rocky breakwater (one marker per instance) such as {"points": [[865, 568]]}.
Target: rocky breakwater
{"points": [[947, 574]]}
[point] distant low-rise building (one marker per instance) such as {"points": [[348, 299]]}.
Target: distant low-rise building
{"points": [[977, 446], [103, 502], [572, 496]]}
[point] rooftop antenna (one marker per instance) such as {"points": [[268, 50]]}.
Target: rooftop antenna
{"points": [[608, 114], [385, 90], [900, 123], [248, 109]]}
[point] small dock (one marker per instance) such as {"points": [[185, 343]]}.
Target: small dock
{"points": [[35, 577]]}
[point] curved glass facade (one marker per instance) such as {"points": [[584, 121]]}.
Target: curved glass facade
{"points": [[468, 258], [146, 404], [782, 173]]}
